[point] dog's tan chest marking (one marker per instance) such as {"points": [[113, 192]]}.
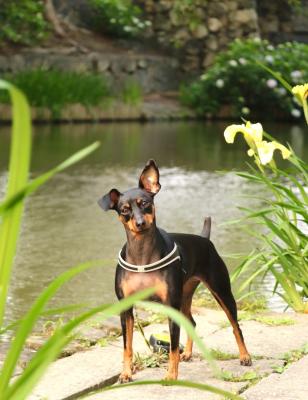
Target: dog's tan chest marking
{"points": [[136, 281]]}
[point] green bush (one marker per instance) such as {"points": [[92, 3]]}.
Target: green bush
{"points": [[236, 79], [22, 21], [54, 89], [118, 17]]}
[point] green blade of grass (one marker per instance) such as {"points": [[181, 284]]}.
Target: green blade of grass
{"points": [[18, 176], [183, 321], [50, 350], [30, 319], [179, 383], [50, 311], [277, 75]]}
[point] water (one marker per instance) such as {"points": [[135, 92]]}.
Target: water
{"points": [[63, 225]]}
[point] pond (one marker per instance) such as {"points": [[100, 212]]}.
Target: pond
{"points": [[63, 225]]}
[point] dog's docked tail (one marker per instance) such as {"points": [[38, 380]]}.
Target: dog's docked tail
{"points": [[206, 231]]}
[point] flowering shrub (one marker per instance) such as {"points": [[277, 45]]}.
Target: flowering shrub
{"points": [[236, 79], [118, 17]]}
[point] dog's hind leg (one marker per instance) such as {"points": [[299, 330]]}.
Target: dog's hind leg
{"points": [[127, 322], [218, 282]]}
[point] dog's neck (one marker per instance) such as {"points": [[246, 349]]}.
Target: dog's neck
{"points": [[145, 247]]}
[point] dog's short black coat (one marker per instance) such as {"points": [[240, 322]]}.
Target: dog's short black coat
{"points": [[175, 284]]}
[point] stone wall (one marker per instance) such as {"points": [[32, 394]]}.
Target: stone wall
{"points": [[212, 25], [153, 73], [279, 22]]}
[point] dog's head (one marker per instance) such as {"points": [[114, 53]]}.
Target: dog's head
{"points": [[135, 207]]}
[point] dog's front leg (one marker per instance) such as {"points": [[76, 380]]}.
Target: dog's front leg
{"points": [[174, 355], [127, 322]]}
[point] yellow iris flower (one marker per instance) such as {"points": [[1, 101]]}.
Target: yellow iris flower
{"points": [[301, 92], [266, 151], [253, 134]]}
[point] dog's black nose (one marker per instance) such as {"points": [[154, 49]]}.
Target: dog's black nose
{"points": [[140, 224]]}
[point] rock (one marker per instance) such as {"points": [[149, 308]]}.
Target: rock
{"points": [[208, 60], [131, 66], [245, 16], [142, 64], [217, 9], [103, 65], [232, 5], [182, 35], [212, 43], [214, 24], [200, 32]]}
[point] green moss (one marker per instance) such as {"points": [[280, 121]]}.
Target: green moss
{"points": [[265, 319], [222, 356]]}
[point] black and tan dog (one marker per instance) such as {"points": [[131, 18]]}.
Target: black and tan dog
{"points": [[173, 263]]}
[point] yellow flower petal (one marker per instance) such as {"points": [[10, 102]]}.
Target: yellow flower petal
{"points": [[252, 132], [231, 131], [266, 151], [255, 131], [284, 151], [301, 91], [250, 152]]}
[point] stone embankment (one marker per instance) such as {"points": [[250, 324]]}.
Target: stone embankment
{"points": [[274, 341]]}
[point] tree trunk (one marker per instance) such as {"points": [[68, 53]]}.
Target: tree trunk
{"points": [[52, 17]]}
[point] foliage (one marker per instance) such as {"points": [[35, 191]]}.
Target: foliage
{"points": [[237, 79], [118, 17], [282, 249], [54, 89], [186, 12], [22, 21], [10, 210], [131, 93]]}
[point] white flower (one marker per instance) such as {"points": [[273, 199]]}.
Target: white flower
{"points": [[245, 110], [203, 77], [271, 83], [242, 60], [233, 63], [295, 113], [220, 83], [281, 90], [296, 74], [270, 47], [269, 58], [257, 40]]}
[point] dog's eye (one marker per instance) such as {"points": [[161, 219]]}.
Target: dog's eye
{"points": [[125, 210], [144, 203]]}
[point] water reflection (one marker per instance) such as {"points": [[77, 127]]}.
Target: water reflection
{"points": [[64, 226]]}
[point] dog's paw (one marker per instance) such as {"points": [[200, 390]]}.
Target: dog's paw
{"points": [[170, 377], [125, 377], [186, 356], [246, 360]]}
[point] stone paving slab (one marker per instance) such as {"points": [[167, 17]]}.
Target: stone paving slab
{"points": [[78, 373], [291, 385], [97, 367], [196, 371]]}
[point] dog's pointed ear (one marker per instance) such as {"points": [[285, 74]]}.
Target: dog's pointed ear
{"points": [[149, 178], [110, 200]]}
